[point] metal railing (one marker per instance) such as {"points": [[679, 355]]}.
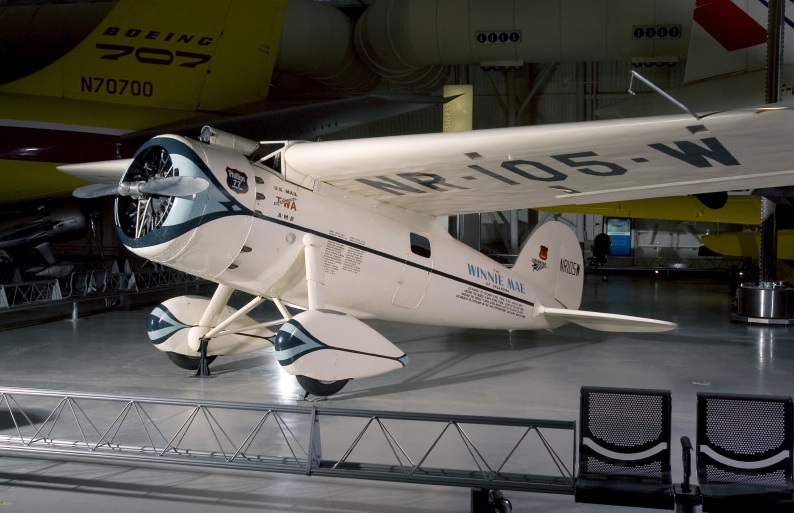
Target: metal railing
{"points": [[29, 292], [451, 450], [104, 280]]}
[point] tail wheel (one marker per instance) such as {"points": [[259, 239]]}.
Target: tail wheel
{"points": [[321, 388], [187, 362]]}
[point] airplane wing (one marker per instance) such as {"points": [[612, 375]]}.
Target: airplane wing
{"points": [[301, 122], [550, 165], [104, 171], [747, 244], [305, 121]]}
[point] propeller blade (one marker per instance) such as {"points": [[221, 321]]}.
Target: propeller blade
{"points": [[174, 186], [168, 186], [95, 190]]}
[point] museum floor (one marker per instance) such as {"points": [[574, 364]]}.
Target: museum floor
{"points": [[451, 371]]}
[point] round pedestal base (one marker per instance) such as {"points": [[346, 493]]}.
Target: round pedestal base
{"points": [[771, 303]]}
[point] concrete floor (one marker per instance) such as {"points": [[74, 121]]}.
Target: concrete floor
{"points": [[451, 371]]}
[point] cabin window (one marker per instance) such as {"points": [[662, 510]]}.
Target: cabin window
{"points": [[268, 155], [420, 245]]}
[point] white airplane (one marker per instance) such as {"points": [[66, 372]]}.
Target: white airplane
{"points": [[347, 230]]}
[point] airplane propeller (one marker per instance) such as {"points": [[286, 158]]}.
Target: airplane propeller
{"points": [[150, 183], [165, 186]]}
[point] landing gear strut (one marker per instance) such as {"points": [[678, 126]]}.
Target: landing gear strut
{"points": [[489, 501], [187, 362], [203, 370]]}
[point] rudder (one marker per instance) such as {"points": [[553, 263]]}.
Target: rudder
{"points": [[552, 259]]}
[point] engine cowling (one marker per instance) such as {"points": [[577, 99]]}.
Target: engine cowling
{"points": [[331, 346], [172, 328], [205, 232]]}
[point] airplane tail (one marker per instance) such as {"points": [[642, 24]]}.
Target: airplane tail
{"points": [[552, 259], [726, 38], [183, 55]]}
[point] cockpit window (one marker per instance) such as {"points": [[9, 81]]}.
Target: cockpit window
{"points": [[420, 245], [269, 155]]}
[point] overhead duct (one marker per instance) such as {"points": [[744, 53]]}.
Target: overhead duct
{"points": [[397, 40], [411, 41], [317, 42]]}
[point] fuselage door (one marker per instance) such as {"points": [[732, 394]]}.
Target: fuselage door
{"points": [[416, 273]]}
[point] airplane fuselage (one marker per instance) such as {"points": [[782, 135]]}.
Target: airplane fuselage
{"points": [[248, 232]]}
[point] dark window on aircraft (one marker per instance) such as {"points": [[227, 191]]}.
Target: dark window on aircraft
{"points": [[420, 245], [269, 154]]}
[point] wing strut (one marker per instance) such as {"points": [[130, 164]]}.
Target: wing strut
{"points": [[218, 301], [664, 94], [215, 306], [315, 274]]}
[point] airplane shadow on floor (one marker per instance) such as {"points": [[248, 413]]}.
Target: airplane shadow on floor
{"points": [[436, 375], [523, 347], [251, 362]]}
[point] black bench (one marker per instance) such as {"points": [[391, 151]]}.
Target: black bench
{"points": [[744, 452], [624, 448]]}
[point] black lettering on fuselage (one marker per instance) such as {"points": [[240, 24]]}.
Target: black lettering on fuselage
{"points": [[158, 35], [569, 267]]}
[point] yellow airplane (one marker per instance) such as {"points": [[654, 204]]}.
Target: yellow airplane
{"points": [[131, 67], [736, 209], [144, 64], [747, 244], [94, 80]]}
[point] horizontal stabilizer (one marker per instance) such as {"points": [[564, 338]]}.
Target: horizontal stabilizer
{"points": [[600, 321]]}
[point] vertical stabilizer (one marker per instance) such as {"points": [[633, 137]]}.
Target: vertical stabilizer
{"points": [[552, 259], [727, 37], [186, 55]]}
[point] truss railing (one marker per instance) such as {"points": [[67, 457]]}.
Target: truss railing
{"points": [[108, 279], [453, 450], [29, 292], [98, 282]]}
